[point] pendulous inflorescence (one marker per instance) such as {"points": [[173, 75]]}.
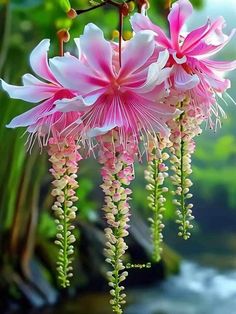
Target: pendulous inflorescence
{"points": [[64, 157], [155, 175], [117, 173], [184, 129]]}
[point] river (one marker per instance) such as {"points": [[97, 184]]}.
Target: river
{"points": [[195, 290]]}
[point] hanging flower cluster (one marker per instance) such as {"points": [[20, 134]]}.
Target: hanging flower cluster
{"points": [[117, 173], [155, 175], [145, 96], [64, 158]]}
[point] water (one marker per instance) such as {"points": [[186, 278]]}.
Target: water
{"points": [[196, 290]]}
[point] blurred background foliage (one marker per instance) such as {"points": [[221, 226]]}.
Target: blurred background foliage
{"points": [[27, 230]]}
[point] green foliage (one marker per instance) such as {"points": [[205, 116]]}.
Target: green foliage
{"points": [[198, 4], [65, 5], [85, 204], [215, 169], [21, 4], [46, 226]]}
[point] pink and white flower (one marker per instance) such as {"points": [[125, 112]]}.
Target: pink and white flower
{"points": [[128, 97], [42, 120], [192, 70]]}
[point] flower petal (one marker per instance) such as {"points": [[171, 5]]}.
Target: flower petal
{"points": [[29, 80], [31, 116], [163, 57], [220, 66], [97, 50], [181, 60], [212, 42], [68, 105], [100, 131], [137, 52], [158, 93], [177, 17], [215, 36], [156, 74], [77, 43], [77, 103], [73, 74], [31, 93], [195, 36], [183, 80], [140, 22], [39, 61], [218, 84]]}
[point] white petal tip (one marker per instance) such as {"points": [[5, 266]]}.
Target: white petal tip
{"points": [[99, 131], [92, 28]]}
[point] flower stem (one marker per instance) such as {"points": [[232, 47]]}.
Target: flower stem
{"points": [[185, 224], [121, 22], [66, 262]]}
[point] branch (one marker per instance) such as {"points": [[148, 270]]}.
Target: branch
{"points": [[110, 2]]}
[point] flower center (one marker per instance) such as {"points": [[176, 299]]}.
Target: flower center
{"points": [[179, 55], [115, 86], [63, 93]]}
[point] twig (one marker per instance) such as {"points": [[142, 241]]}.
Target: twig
{"points": [[121, 22], [110, 2]]}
